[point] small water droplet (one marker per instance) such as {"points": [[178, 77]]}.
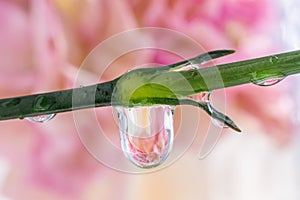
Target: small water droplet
{"points": [[193, 66], [267, 78], [185, 68], [41, 118], [146, 134], [218, 123], [268, 82], [214, 121], [274, 59]]}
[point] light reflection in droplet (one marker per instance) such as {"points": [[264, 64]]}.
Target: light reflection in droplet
{"points": [[41, 118], [268, 82], [146, 134], [206, 96], [218, 123]]}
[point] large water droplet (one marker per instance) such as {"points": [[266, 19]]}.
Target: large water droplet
{"points": [[146, 134], [268, 82], [41, 118]]}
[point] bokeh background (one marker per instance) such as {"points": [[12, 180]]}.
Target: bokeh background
{"points": [[42, 46]]}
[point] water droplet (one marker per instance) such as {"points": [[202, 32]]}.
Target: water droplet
{"points": [[189, 67], [267, 78], [218, 123], [186, 67], [215, 121], [274, 59], [207, 98], [268, 82], [41, 118], [193, 66], [146, 134]]}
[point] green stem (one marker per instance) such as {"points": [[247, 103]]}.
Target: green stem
{"points": [[55, 102], [205, 79], [255, 70]]}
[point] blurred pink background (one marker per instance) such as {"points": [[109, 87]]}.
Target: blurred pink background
{"points": [[43, 44]]}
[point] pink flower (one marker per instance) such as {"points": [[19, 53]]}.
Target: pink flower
{"points": [[33, 59], [43, 44], [32, 49]]}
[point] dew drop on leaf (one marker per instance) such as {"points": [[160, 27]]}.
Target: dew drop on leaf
{"points": [[146, 134], [41, 118]]}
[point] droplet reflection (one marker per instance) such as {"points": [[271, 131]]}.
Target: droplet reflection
{"points": [[206, 97], [268, 82], [41, 118], [218, 123], [146, 134]]}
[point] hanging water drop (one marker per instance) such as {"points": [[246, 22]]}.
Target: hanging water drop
{"points": [[215, 121], [265, 78], [268, 82], [41, 118], [206, 97], [146, 134], [218, 123]]}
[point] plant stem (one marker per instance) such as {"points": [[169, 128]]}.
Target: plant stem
{"points": [[54, 102], [204, 79]]}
